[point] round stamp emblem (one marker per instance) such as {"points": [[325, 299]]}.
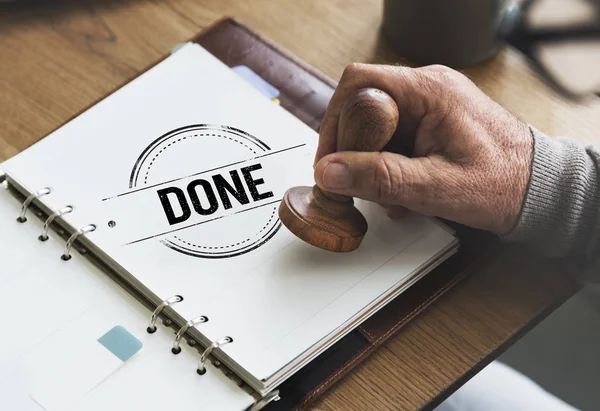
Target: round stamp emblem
{"points": [[207, 171]]}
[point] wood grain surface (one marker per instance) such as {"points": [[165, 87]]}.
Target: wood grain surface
{"points": [[56, 57]]}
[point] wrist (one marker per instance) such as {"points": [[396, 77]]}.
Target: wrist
{"points": [[519, 176], [560, 200]]}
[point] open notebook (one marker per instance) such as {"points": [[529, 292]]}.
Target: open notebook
{"points": [[176, 179], [53, 360]]}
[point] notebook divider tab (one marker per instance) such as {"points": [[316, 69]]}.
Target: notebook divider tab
{"points": [[32, 206]]}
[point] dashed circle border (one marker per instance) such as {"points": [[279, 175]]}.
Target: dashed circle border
{"points": [[210, 131]]}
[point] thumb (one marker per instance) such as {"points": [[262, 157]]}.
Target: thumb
{"points": [[385, 178]]}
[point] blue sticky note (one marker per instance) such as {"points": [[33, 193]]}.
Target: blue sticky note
{"points": [[255, 80], [121, 343]]}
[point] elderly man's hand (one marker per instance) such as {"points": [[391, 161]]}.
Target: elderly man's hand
{"points": [[471, 159]]}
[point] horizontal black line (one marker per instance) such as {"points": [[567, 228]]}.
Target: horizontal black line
{"points": [[203, 172], [202, 222]]}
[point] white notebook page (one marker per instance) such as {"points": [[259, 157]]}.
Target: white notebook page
{"points": [[92, 158], [274, 295], [302, 294], [56, 309]]}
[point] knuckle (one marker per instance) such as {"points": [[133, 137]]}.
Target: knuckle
{"points": [[446, 89], [440, 68], [387, 178], [433, 85], [352, 70], [444, 77]]}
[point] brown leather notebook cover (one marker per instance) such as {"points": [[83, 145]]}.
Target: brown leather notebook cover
{"points": [[305, 93]]}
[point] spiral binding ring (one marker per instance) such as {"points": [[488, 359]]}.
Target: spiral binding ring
{"points": [[82, 231], [266, 400], [28, 200], [169, 301], [65, 210], [2, 176], [198, 320], [216, 344]]}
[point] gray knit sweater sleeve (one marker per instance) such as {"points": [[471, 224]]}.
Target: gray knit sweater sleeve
{"points": [[560, 216]]}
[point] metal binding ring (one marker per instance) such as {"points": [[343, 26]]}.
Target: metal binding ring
{"points": [[169, 301], [65, 210], [266, 400], [216, 344], [28, 200], [198, 320], [82, 231]]}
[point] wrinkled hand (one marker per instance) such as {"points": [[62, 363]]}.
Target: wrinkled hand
{"points": [[471, 159]]}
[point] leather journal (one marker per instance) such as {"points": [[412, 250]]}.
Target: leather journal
{"points": [[266, 343], [305, 92]]}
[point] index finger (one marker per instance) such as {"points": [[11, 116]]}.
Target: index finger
{"points": [[397, 81]]}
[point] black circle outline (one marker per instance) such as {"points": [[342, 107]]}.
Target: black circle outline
{"points": [[198, 127], [133, 180]]}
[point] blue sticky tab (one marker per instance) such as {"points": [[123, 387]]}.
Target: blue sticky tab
{"points": [[177, 47], [121, 343], [257, 81]]}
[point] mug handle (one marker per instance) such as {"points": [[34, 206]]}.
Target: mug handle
{"points": [[526, 40]]}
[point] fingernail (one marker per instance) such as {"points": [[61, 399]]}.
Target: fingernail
{"points": [[337, 176]]}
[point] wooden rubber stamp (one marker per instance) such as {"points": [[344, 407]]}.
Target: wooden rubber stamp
{"points": [[331, 221]]}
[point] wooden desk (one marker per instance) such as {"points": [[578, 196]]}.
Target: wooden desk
{"points": [[57, 58]]}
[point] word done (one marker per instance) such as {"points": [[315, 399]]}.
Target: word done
{"points": [[214, 194]]}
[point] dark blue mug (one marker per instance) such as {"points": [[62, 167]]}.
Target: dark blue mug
{"points": [[460, 33], [452, 32]]}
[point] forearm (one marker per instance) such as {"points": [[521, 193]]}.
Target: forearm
{"points": [[560, 216]]}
